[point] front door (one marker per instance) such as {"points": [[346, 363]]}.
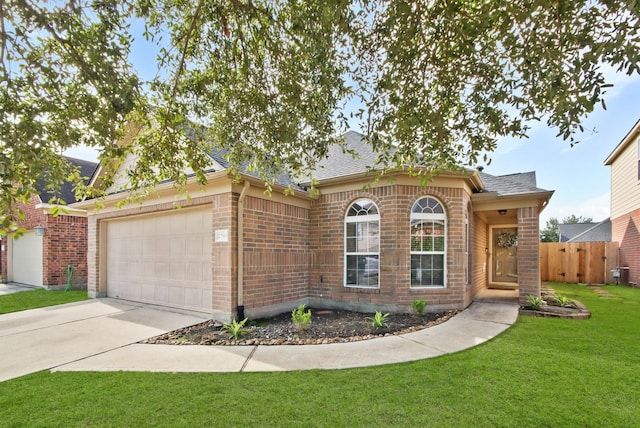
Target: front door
{"points": [[504, 264]]}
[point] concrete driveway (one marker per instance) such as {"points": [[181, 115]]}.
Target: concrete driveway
{"points": [[45, 338]]}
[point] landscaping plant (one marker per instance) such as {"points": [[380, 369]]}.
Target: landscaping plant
{"points": [[418, 307], [301, 318], [562, 300], [379, 320], [534, 302], [235, 329]]}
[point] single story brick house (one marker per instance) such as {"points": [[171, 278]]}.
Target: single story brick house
{"points": [[42, 255], [233, 251]]}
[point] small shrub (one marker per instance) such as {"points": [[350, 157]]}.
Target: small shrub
{"points": [[534, 302], [301, 318], [418, 307], [561, 301], [235, 329], [378, 320]]}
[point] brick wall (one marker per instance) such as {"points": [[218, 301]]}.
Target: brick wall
{"points": [[395, 293], [93, 259], [625, 231], [32, 216], [225, 256], [64, 244], [528, 252], [480, 259], [276, 256]]}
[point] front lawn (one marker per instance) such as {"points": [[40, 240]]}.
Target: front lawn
{"points": [[542, 372], [38, 299]]}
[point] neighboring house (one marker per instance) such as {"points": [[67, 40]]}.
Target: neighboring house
{"points": [[625, 200], [361, 245], [42, 256], [585, 232]]}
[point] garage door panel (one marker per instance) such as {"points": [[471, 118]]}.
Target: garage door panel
{"points": [[161, 271], [195, 272], [162, 259], [177, 295], [193, 296], [177, 271], [26, 260]]}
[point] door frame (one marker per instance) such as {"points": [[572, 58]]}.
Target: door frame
{"points": [[496, 284]]}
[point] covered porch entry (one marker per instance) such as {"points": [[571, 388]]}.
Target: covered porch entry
{"points": [[510, 263]]}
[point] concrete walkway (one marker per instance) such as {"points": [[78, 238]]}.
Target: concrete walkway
{"points": [[477, 324], [102, 335], [45, 338]]}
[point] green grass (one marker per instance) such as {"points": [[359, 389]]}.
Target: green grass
{"points": [[38, 299], [539, 373]]}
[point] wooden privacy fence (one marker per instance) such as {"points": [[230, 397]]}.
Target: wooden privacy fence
{"points": [[578, 262]]}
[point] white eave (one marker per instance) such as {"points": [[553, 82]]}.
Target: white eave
{"points": [[64, 210], [628, 139], [488, 200]]}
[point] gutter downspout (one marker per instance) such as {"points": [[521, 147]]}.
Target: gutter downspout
{"points": [[240, 285]]}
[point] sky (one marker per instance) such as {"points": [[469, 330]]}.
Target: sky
{"points": [[576, 174]]}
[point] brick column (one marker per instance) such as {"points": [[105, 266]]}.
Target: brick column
{"points": [[93, 259], [528, 252], [224, 255]]}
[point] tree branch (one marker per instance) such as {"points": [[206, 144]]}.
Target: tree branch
{"points": [[183, 54], [3, 37], [65, 44]]}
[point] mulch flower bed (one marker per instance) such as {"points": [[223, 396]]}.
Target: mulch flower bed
{"points": [[327, 326]]}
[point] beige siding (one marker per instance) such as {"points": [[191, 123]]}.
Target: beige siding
{"points": [[121, 180], [625, 187]]}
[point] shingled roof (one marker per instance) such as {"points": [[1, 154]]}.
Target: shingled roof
{"points": [[340, 163], [511, 184], [66, 192], [585, 232]]}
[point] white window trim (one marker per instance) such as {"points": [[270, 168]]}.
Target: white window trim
{"points": [[430, 216], [360, 219]]}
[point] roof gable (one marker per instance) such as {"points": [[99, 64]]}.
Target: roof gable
{"points": [[622, 145], [66, 191], [511, 184], [585, 232]]}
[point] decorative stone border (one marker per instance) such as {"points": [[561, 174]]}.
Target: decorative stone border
{"points": [[579, 312]]}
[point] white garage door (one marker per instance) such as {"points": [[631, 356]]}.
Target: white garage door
{"points": [[162, 259], [26, 259]]}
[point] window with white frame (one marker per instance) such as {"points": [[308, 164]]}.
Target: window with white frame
{"points": [[428, 243], [362, 245]]}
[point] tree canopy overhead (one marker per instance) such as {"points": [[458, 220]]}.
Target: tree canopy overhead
{"points": [[273, 83]]}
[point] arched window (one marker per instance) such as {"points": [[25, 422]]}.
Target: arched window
{"points": [[428, 243], [362, 245]]}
